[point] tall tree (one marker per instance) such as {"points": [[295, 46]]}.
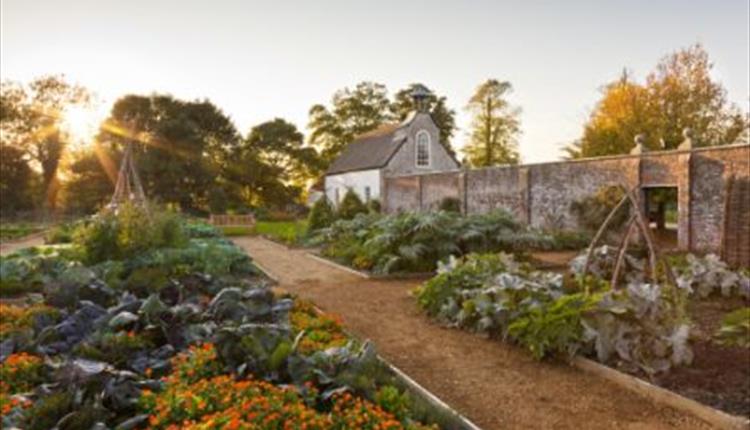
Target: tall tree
{"points": [[678, 94], [352, 112], [31, 118], [280, 144], [495, 126], [444, 117], [180, 146]]}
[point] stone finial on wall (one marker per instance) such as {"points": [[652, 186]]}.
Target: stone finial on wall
{"points": [[640, 144], [688, 143]]}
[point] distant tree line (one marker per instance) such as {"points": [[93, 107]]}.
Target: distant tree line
{"points": [[191, 155]]}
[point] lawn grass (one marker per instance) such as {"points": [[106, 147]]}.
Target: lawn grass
{"points": [[289, 232]]}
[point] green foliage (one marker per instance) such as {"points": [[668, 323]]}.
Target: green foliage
{"points": [[321, 215], [288, 232], [735, 329], [200, 230], [12, 231], [392, 400], [591, 211], [416, 242], [352, 112], [554, 327], [48, 410], [450, 204], [640, 328], [16, 182], [350, 206], [374, 206], [130, 231]]}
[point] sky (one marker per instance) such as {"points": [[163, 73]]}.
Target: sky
{"points": [[258, 60]]}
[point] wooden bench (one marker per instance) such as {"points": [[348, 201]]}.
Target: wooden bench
{"points": [[232, 220]]}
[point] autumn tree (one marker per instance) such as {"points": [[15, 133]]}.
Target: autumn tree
{"points": [[31, 119], [678, 94], [495, 126], [352, 112], [444, 117]]}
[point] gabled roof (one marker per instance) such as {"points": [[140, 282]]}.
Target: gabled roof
{"points": [[371, 150]]}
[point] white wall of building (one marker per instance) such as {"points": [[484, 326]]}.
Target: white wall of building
{"points": [[359, 181]]}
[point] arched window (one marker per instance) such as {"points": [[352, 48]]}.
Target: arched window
{"points": [[423, 149]]}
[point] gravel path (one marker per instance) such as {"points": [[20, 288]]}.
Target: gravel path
{"points": [[498, 386], [10, 247]]}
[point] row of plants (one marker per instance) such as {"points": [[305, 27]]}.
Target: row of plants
{"points": [[175, 329], [323, 213], [641, 327], [416, 242]]}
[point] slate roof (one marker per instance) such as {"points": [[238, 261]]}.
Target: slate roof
{"points": [[371, 150]]}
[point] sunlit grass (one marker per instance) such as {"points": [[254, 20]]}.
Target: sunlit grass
{"points": [[289, 232]]}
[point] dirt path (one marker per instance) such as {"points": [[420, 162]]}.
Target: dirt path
{"points": [[496, 385], [10, 247]]}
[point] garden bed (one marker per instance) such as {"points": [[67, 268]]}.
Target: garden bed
{"points": [[140, 326], [719, 375]]}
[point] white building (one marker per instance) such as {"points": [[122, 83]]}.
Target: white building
{"points": [[391, 150]]}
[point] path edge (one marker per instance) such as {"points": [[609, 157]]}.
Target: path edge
{"points": [[663, 396], [412, 385]]}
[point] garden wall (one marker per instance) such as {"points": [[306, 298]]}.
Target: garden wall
{"points": [[713, 192]]}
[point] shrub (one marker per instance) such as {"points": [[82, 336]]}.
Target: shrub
{"points": [[321, 215], [374, 206], [450, 204], [129, 232], [351, 205], [591, 211]]}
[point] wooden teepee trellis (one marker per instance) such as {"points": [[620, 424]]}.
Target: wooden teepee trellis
{"points": [[128, 187], [637, 222]]}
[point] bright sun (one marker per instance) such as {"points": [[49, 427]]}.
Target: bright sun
{"points": [[81, 123]]}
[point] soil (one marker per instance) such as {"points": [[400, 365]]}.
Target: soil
{"points": [[720, 375], [496, 385]]}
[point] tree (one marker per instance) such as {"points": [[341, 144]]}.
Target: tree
{"points": [[321, 215], [16, 180], [182, 148], [353, 112], [90, 185], [495, 126], [624, 112], [445, 118], [678, 94], [350, 206], [282, 146], [30, 119]]}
